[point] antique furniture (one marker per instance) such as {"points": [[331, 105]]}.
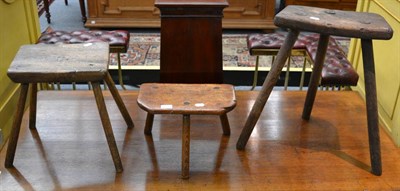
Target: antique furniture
{"points": [[81, 5], [336, 70], [186, 100], [349, 5], [191, 41], [243, 14], [326, 22], [85, 62], [117, 39]]}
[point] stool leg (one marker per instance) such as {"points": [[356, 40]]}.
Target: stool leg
{"points": [[266, 89], [149, 124], [121, 80], [372, 108], [255, 73], [83, 10], [33, 107], [105, 120], [185, 146], [47, 10], [225, 124], [315, 76], [12, 144], [118, 100]]}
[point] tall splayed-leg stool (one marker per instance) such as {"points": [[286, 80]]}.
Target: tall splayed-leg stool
{"points": [[85, 62], [366, 26]]}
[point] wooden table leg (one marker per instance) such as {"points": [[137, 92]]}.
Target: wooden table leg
{"points": [[225, 124], [149, 124], [33, 107], [12, 143], [83, 10], [372, 108], [185, 146], [118, 100], [315, 76], [266, 89], [47, 10], [105, 120]]}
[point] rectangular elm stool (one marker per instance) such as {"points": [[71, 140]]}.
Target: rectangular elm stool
{"points": [[186, 99], [326, 22], [86, 62]]}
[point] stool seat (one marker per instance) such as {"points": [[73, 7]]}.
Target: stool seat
{"points": [[366, 26], [334, 22], [118, 39], [59, 63], [84, 62]]}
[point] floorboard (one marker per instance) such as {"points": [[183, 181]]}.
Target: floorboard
{"points": [[68, 151]]}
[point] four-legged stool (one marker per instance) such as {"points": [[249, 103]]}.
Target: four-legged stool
{"points": [[366, 26], [86, 62], [187, 99]]}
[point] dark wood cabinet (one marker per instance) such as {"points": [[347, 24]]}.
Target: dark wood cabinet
{"points": [[191, 40]]}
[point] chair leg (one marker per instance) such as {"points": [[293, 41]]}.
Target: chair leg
{"points": [[47, 10], [372, 108], [66, 2], [266, 89], [105, 120], [315, 76], [83, 10], [287, 72], [120, 77], [225, 124], [149, 124], [185, 146], [33, 107], [12, 144], [255, 73], [118, 100]]}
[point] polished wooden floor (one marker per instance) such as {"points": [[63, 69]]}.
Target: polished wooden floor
{"points": [[68, 151]]}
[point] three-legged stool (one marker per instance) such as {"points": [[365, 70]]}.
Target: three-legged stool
{"points": [[187, 99], [87, 62], [366, 26]]}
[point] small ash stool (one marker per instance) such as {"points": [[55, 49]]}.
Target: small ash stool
{"points": [[118, 40], [366, 26], [86, 62], [186, 99]]}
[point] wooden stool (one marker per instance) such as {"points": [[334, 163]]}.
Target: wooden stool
{"points": [[366, 26], [187, 99], [86, 62]]}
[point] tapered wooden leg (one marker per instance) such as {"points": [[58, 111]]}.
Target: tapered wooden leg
{"points": [[120, 77], [372, 108], [185, 146], [33, 107], [118, 100], [225, 124], [83, 10], [105, 120], [149, 124], [266, 89], [255, 77], [12, 144], [47, 10], [315, 76]]}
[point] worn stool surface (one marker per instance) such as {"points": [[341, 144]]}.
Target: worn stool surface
{"points": [[334, 22], [213, 99], [60, 63]]}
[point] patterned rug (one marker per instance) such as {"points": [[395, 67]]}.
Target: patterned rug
{"points": [[144, 51]]}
